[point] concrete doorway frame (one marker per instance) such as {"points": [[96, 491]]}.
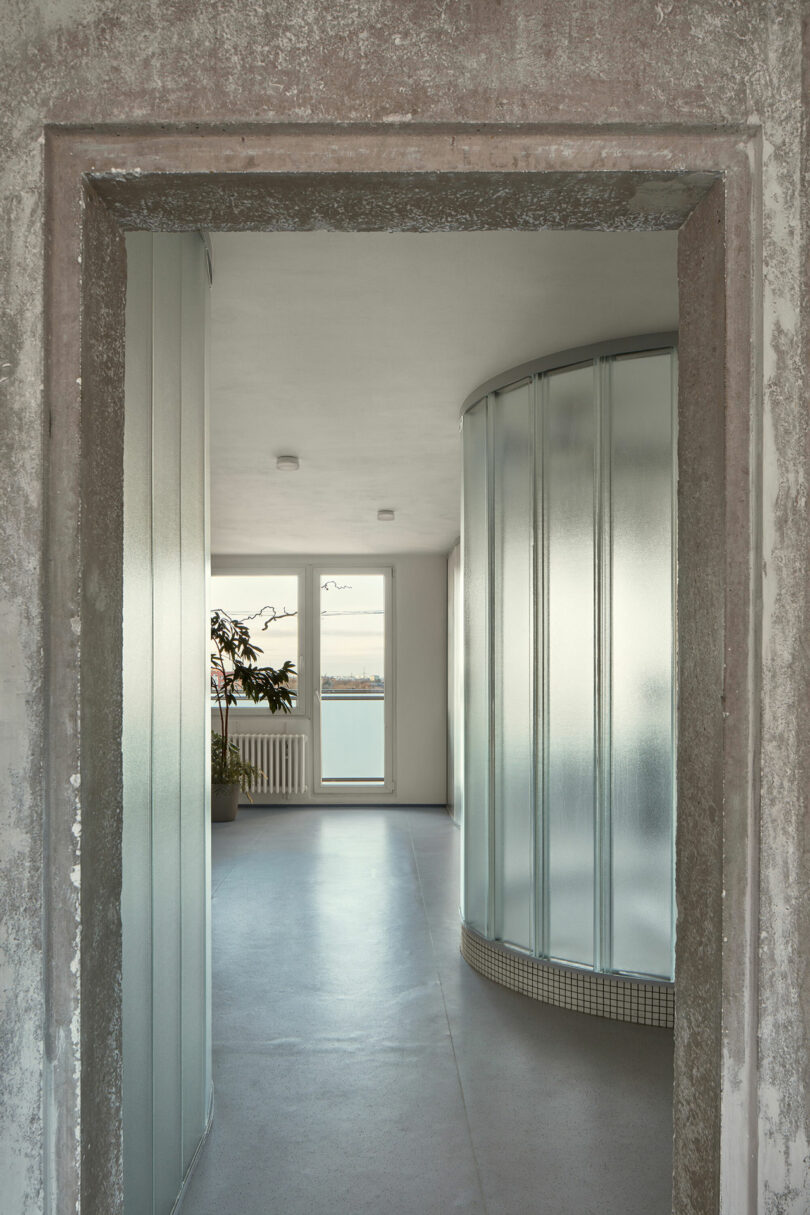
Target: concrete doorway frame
{"points": [[101, 182]]}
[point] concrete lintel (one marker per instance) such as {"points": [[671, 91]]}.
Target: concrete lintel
{"points": [[460, 200]]}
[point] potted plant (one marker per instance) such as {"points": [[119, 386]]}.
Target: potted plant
{"points": [[235, 676]]}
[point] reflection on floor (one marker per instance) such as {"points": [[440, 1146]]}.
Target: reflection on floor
{"points": [[362, 1068]]}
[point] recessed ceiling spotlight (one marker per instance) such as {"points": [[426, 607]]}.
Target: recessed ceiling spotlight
{"points": [[385, 516], [287, 463]]}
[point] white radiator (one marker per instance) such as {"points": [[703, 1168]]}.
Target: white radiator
{"points": [[280, 758]]}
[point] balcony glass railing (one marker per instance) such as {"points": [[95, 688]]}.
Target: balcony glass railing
{"points": [[352, 738]]}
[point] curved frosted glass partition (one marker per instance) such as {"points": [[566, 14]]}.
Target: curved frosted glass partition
{"points": [[568, 551]]}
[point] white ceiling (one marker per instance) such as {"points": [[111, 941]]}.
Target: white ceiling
{"points": [[355, 351]]}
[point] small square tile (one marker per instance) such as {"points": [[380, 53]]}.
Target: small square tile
{"points": [[600, 995]]}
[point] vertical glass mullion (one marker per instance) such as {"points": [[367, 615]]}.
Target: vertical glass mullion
{"points": [[512, 467], [494, 882], [538, 818], [477, 575], [542, 677], [603, 902], [674, 592]]}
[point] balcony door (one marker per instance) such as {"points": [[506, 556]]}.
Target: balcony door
{"points": [[352, 716]]}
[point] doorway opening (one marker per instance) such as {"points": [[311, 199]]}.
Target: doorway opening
{"points": [[332, 617], [91, 373]]}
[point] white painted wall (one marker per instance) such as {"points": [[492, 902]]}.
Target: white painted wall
{"points": [[165, 901], [420, 678]]}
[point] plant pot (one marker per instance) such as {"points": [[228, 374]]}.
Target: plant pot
{"points": [[224, 803]]}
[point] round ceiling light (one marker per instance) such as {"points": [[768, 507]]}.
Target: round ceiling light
{"points": [[385, 516], [287, 463]]}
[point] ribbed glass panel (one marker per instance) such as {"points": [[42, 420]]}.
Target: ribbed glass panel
{"points": [[138, 692], [512, 473], [165, 872], [568, 444], [642, 633], [167, 776], [476, 670], [568, 618]]}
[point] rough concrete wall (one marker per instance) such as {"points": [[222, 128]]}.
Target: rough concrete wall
{"points": [[376, 60], [22, 1013], [548, 61], [784, 966]]}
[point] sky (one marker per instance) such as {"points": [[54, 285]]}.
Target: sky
{"points": [[352, 620]]}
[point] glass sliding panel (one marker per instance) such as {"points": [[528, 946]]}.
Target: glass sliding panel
{"points": [[475, 558], [136, 739], [352, 678], [268, 605], [512, 473], [167, 775], [642, 657], [569, 447]]}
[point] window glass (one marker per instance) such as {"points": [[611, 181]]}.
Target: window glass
{"points": [[269, 605], [352, 649]]}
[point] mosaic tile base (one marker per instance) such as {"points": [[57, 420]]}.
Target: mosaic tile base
{"points": [[644, 1002]]}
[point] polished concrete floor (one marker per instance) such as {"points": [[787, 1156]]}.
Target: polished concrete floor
{"points": [[362, 1068]]}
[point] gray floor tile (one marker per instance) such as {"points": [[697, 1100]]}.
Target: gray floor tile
{"points": [[362, 1067]]}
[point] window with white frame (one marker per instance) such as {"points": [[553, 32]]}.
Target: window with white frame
{"points": [[352, 659]]}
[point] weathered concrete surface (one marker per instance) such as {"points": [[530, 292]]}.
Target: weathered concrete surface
{"points": [[21, 696], [104, 259], [701, 593], [362, 202], [784, 956], [699, 63]]}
